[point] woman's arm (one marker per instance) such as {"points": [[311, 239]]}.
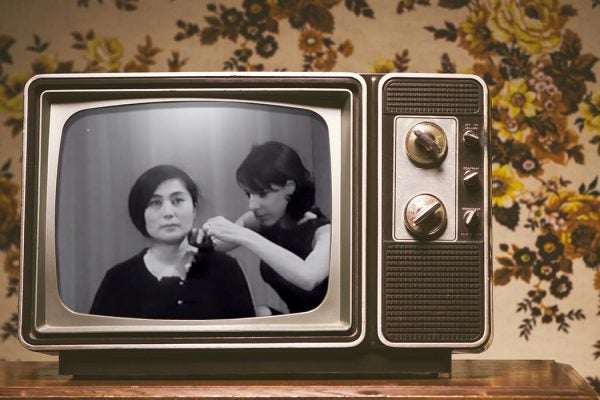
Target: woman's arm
{"points": [[305, 274], [247, 220]]}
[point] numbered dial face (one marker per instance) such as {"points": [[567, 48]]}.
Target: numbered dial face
{"points": [[426, 144], [425, 217]]}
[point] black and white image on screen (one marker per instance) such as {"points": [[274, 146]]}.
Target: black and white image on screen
{"points": [[104, 151]]}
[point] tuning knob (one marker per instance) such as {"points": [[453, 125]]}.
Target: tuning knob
{"points": [[426, 144], [471, 178], [471, 138], [471, 218], [425, 216]]}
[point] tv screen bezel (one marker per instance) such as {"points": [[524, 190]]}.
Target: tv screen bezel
{"points": [[38, 322]]}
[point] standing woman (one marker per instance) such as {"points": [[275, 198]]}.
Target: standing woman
{"points": [[171, 279], [282, 227]]}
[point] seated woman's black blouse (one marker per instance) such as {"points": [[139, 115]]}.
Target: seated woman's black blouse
{"points": [[215, 287]]}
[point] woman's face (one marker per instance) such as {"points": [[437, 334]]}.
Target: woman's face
{"points": [[269, 206], [170, 213]]}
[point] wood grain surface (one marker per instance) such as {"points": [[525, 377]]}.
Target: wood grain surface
{"points": [[470, 379]]}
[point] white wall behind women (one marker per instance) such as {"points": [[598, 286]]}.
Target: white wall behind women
{"points": [[105, 150]]}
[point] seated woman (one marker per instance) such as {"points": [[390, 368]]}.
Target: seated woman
{"points": [[171, 279], [282, 227]]}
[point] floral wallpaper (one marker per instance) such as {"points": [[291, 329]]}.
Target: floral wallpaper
{"points": [[539, 58]]}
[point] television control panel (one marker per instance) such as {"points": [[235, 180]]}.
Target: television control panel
{"points": [[434, 211]]}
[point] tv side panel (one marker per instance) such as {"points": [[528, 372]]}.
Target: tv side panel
{"points": [[434, 229]]}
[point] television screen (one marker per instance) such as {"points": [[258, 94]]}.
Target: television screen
{"points": [[105, 149]]}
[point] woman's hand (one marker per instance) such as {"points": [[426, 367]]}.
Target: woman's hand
{"points": [[224, 230]]}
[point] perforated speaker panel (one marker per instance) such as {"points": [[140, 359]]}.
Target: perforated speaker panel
{"points": [[435, 97], [433, 293]]}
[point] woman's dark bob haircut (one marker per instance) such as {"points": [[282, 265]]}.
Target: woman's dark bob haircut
{"points": [[274, 163], [146, 184]]}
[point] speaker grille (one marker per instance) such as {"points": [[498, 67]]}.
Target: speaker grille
{"points": [[433, 293], [433, 97]]}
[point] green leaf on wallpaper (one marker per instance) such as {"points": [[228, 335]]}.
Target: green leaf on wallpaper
{"points": [[450, 33], [360, 7], [38, 45], [506, 261], [502, 276], [209, 35], [409, 5], [526, 327], [9, 328], [571, 45], [523, 273], [576, 153], [446, 65], [524, 305], [189, 29], [568, 11], [597, 352], [5, 44], [596, 140], [589, 189], [509, 217], [213, 21], [570, 70], [127, 5], [453, 4], [320, 18], [5, 166]]}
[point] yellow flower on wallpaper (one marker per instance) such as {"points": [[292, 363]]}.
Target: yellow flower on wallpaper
{"points": [[382, 65], [534, 25], [556, 145], [45, 64], [581, 236], [490, 72], [579, 230], [327, 61], [509, 128], [11, 262], [590, 111], [9, 213], [11, 95], [346, 48], [505, 186], [311, 41], [107, 52], [516, 97], [475, 35]]}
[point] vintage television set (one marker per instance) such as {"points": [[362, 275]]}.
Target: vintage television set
{"points": [[400, 167]]}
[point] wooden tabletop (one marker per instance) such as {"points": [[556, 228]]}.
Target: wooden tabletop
{"points": [[470, 379]]}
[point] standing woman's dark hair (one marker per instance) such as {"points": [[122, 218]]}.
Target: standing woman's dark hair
{"points": [[274, 163], [146, 184], [282, 226]]}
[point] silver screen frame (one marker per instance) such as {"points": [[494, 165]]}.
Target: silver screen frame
{"points": [[336, 314]]}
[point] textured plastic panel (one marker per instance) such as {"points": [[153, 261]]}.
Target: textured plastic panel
{"points": [[433, 97], [433, 293]]}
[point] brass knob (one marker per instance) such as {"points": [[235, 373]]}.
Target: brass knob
{"points": [[426, 144], [425, 216]]}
